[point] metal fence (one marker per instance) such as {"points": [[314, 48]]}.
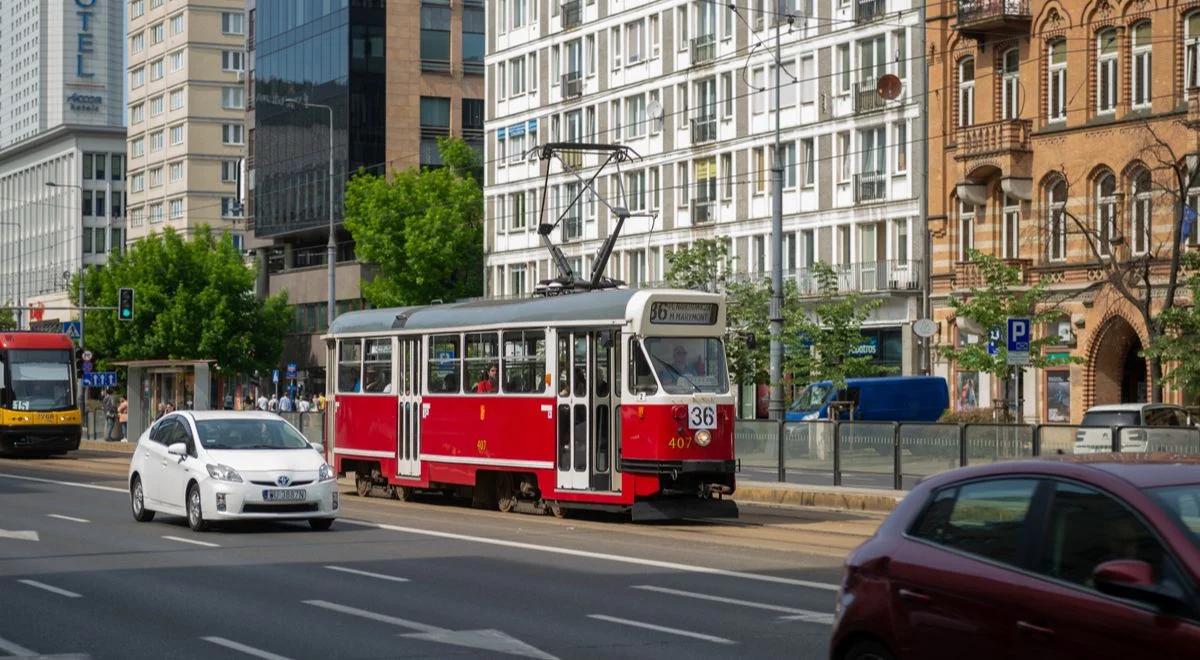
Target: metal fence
{"points": [[311, 424], [896, 455]]}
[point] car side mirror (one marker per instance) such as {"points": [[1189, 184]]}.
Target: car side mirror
{"points": [[320, 448], [178, 449], [1133, 579]]}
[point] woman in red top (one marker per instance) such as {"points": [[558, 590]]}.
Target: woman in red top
{"points": [[487, 381]]}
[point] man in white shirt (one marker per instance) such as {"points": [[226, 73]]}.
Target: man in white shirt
{"points": [[262, 402]]}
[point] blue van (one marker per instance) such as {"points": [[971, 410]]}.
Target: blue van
{"points": [[884, 399]]}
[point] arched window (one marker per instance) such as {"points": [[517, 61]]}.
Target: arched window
{"points": [[1106, 212], [1010, 81], [1191, 51], [1139, 213], [1056, 83], [966, 230], [1106, 71], [1012, 227], [1141, 65], [1056, 205], [966, 92]]}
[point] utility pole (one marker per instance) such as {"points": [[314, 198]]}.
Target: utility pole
{"points": [[923, 197], [776, 312]]}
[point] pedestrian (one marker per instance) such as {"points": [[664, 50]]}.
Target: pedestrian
{"points": [[160, 411], [273, 403], [285, 403], [109, 405], [303, 405], [228, 401], [123, 419], [320, 403], [262, 402]]}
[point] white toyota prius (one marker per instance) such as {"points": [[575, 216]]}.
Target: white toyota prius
{"points": [[221, 465]]}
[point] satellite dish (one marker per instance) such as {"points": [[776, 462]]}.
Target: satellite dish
{"points": [[654, 110], [889, 87]]}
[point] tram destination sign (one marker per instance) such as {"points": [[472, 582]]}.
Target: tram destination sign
{"points": [[683, 313]]}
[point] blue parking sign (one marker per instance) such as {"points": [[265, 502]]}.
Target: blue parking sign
{"points": [[1018, 335]]}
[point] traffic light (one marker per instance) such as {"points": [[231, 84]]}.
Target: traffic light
{"points": [[78, 362], [125, 304]]}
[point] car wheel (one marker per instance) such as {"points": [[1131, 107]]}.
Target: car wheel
{"points": [[137, 502], [868, 650], [195, 515], [320, 524]]}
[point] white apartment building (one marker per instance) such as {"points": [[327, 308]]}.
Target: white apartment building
{"points": [[62, 142], [688, 84]]}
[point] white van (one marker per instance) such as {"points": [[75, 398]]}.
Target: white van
{"points": [[1099, 440]]}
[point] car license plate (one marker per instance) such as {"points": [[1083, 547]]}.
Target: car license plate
{"points": [[283, 495]]}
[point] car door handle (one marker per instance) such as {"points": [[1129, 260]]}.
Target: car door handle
{"points": [[913, 596], [1035, 631]]}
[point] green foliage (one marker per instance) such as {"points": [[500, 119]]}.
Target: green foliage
{"points": [[1179, 345], [818, 336], [990, 306], [194, 299], [422, 228], [8, 320]]}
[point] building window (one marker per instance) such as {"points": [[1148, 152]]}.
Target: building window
{"points": [[156, 106], [136, 9], [118, 167], [233, 22], [137, 42], [1012, 227], [845, 157], [1106, 212], [87, 203], [1106, 71], [966, 92], [760, 171], [1141, 65], [137, 77], [175, 209], [229, 171], [156, 213], [681, 174], [789, 165], [844, 70], [177, 99], [900, 250], [635, 191], [137, 183], [1010, 82], [137, 216], [175, 172], [727, 95], [758, 78], [137, 147], [435, 122], [230, 207], [635, 41], [156, 177], [177, 24], [156, 141], [966, 230], [231, 60], [1056, 93], [435, 37], [136, 113], [516, 280], [1191, 51], [901, 147], [727, 176], [516, 76], [233, 98], [231, 134], [156, 69], [474, 42], [176, 61], [1140, 215], [808, 80], [177, 135], [156, 34], [808, 162]]}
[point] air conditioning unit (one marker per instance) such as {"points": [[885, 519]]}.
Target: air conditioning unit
{"points": [[241, 76]]}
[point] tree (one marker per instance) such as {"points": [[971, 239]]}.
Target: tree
{"points": [[704, 266], [194, 299], [1177, 345], [1132, 273], [8, 320], [834, 330], [989, 308], [422, 228]]}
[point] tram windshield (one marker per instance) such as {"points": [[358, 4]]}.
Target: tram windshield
{"points": [[686, 365], [39, 379]]}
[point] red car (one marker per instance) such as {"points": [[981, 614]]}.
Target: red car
{"points": [[1088, 557]]}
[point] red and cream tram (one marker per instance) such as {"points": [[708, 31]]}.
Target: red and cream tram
{"points": [[615, 400]]}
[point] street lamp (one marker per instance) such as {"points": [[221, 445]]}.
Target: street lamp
{"points": [[83, 390], [331, 247]]}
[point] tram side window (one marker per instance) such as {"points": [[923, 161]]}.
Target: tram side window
{"points": [[524, 362], [349, 366], [377, 366], [641, 376], [482, 364], [445, 364]]}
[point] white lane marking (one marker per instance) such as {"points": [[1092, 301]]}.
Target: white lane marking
{"points": [[367, 573], [65, 483], [248, 650], [12, 648], [71, 518], [382, 618], [664, 629], [51, 589], [686, 568], [193, 542], [811, 616], [27, 535]]}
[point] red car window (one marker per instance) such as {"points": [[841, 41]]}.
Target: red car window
{"points": [[984, 518]]}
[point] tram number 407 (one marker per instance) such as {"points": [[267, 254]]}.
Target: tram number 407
{"points": [[702, 416]]}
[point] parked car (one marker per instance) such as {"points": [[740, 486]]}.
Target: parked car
{"points": [[223, 465], [1082, 557], [1099, 439], [884, 399]]}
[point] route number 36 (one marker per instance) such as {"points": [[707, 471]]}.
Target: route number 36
{"points": [[702, 416]]}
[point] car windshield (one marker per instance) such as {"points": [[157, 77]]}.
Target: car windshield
{"points": [[811, 398], [686, 365], [249, 434], [1112, 418], [1183, 503], [40, 379]]}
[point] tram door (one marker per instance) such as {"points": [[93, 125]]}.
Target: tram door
{"points": [[585, 410], [408, 435]]}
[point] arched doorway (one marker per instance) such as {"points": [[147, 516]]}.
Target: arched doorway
{"points": [[1118, 369]]}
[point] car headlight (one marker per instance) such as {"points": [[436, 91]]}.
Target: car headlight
{"points": [[325, 473], [224, 473], [703, 438]]}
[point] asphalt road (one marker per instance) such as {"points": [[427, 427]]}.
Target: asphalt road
{"points": [[405, 580]]}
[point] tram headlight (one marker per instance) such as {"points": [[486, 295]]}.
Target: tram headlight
{"points": [[702, 438]]}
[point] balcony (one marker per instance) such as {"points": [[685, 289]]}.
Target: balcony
{"points": [[968, 276], [572, 14], [1003, 144], [704, 129], [870, 187], [977, 18], [703, 212], [867, 98], [882, 276], [866, 11], [572, 84], [704, 49]]}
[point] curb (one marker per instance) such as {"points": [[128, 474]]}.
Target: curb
{"points": [[100, 445], [847, 499]]}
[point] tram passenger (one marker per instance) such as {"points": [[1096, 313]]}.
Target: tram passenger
{"points": [[487, 381]]}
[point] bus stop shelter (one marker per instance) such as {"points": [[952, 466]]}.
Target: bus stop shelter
{"points": [[185, 384]]}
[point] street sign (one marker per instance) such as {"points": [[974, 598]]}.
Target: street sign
{"points": [[925, 328], [87, 356], [72, 330], [994, 338], [1017, 339], [274, 375], [86, 366], [291, 370], [100, 379]]}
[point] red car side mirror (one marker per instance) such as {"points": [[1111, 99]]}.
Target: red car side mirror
{"points": [[1134, 580]]}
